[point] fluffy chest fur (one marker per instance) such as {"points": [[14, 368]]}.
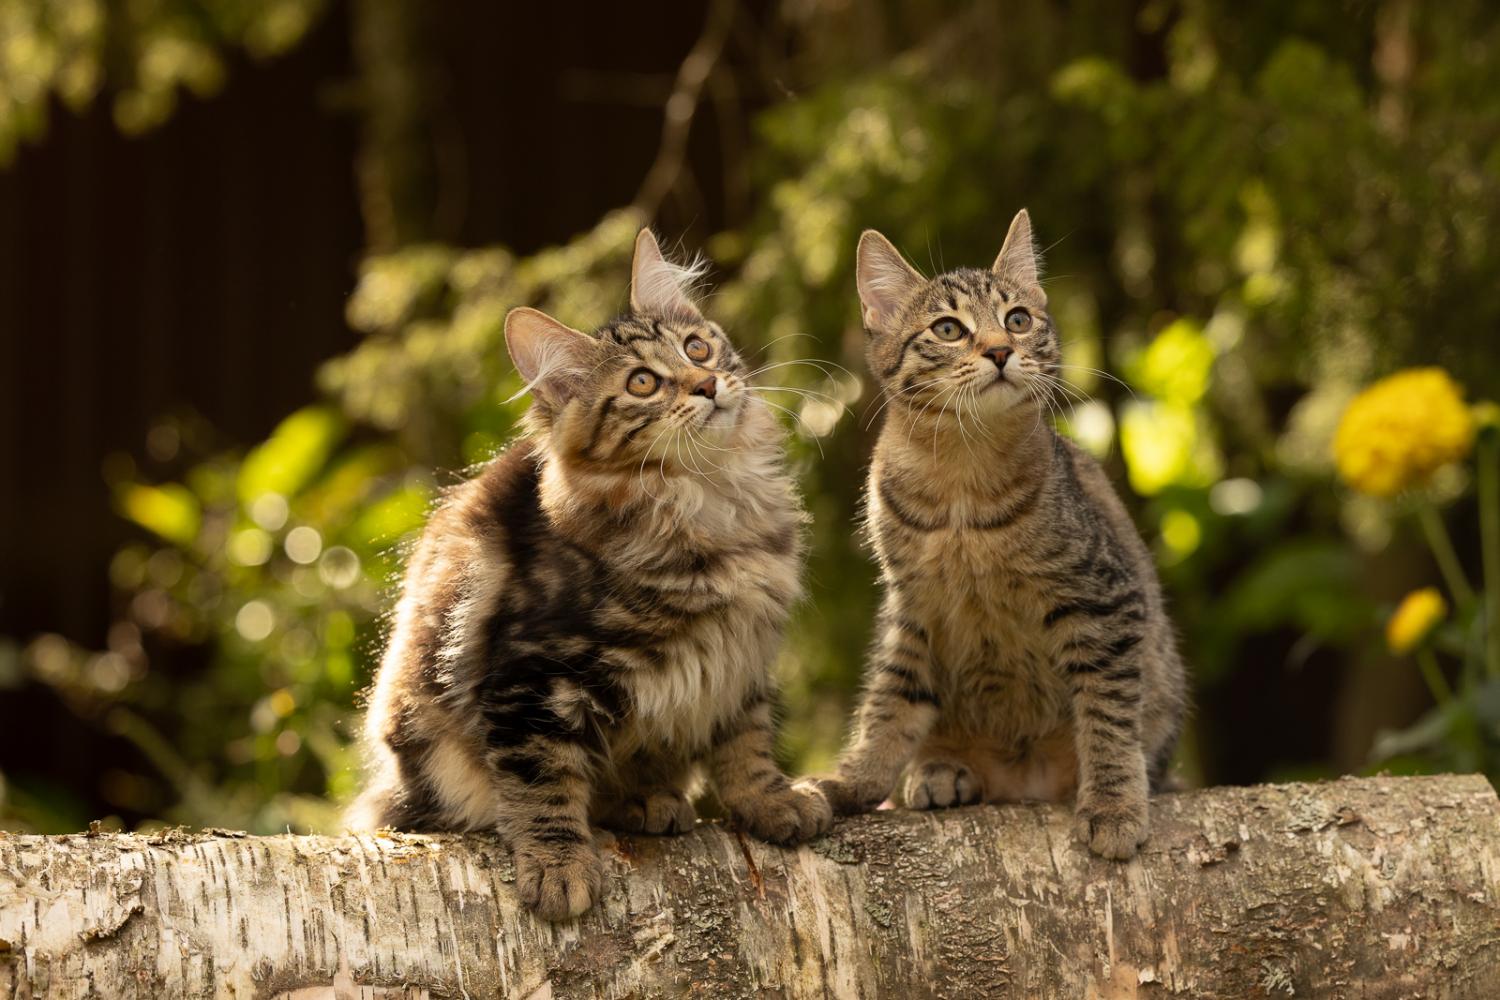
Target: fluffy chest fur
{"points": [[698, 677], [642, 629]]}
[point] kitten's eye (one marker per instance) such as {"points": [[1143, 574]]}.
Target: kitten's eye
{"points": [[1018, 321], [642, 382], [948, 329], [696, 348]]}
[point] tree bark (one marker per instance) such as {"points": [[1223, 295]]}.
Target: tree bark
{"points": [[1384, 887]]}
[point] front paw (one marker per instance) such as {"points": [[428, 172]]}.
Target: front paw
{"points": [[938, 784], [558, 884], [1112, 828], [662, 811], [787, 815], [848, 796]]}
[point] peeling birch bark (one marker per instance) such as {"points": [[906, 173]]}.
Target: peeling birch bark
{"points": [[1386, 887]]}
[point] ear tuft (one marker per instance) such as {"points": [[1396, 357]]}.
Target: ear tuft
{"points": [[1018, 261], [661, 288], [551, 357], [885, 280]]}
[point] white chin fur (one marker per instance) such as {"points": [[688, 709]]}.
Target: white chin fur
{"points": [[1000, 396], [720, 419]]}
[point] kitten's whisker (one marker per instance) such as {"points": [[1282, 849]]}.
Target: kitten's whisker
{"points": [[1074, 394], [937, 424], [890, 397], [811, 393], [817, 363], [796, 419], [1101, 374], [785, 336]]}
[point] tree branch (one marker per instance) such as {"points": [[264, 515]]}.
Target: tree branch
{"points": [[681, 106], [1379, 887]]}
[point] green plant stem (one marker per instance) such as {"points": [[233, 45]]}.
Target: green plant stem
{"points": [[1442, 550], [1489, 533], [1433, 675]]}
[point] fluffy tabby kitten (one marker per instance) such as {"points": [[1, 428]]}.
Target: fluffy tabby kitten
{"points": [[1023, 650], [594, 616]]}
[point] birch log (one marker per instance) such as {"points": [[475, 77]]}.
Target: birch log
{"points": [[1386, 887]]}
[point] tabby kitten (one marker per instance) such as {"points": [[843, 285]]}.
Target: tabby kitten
{"points": [[1023, 650], [594, 617]]}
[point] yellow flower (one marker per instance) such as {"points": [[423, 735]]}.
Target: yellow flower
{"points": [[1401, 430], [1419, 613]]}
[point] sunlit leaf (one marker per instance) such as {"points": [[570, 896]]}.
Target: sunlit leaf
{"points": [[1177, 364], [391, 517], [296, 450], [170, 510]]}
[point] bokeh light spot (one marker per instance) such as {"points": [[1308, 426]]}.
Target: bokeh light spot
{"points": [[250, 547], [339, 567], [303, 544], [269, 510], [1180, 532], [255, 621]]}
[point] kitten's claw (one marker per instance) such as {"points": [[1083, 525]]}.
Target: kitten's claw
{"points": [[559, 885], [662, 811], [938, 784], [1114, 830], [790, 815]]}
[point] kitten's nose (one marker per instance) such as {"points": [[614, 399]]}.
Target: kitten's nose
{"points": [[708, 387], [999, 355]]}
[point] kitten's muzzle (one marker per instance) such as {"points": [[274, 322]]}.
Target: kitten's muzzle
{"points": [[708, 388], [999, 354]]}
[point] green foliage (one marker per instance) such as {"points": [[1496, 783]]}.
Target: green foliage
{"points": [[1242, 236], [142, 53]]}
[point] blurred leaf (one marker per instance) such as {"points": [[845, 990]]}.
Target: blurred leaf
{"points": [[391, 517], [1428, 733], [296, 450], [1175, 368], [1163, 446], [170, 511], [1313, 586]]}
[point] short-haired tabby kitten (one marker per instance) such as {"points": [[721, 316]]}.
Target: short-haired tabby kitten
{"points": [[596, 614], [1023, 650]]}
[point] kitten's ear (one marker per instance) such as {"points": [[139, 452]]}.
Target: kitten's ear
{"points": [[1018, 261], [659, 287], [886, 281], [552, 358]]}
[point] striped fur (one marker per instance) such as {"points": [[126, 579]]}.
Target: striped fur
{"points": [[1023, 650], [589, 624]]}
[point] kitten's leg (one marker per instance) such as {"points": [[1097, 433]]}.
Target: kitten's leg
{"points": [[897, 710], [755, 793], [545, 789], [1104, 671]]}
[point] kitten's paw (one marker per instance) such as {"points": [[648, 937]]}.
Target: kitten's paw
{"points": [[559, 884], [661, 811], [1112, 829], [938, 784], [848, 796], [788, 815]]}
